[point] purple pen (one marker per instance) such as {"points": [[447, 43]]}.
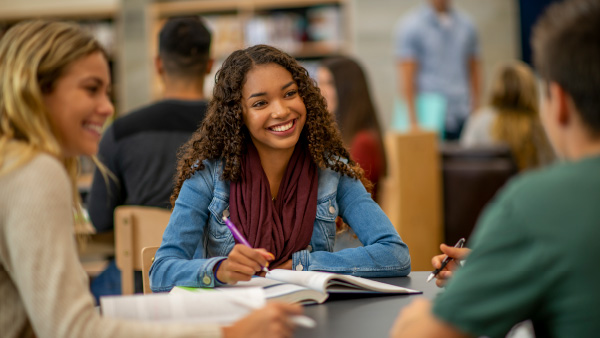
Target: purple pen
{"points": [[238, 235]]}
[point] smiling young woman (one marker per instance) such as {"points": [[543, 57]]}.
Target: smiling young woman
{"points": [[274, 114], [269, 156]]}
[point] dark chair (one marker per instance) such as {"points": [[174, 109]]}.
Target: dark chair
{"points": [[471, 177]]}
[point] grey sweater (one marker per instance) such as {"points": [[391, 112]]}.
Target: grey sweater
{"points": [[43, 288]]}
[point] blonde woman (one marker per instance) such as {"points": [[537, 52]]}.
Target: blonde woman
{"points": [[511, 118], [54, 80]]}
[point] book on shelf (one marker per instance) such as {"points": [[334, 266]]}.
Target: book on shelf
{"points": [[307, 287]]}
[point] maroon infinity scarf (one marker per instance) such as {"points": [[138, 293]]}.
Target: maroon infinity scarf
{"points": [[285, 225]]}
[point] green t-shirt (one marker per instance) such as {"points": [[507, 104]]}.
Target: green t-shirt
{"points": [[535, 256]]}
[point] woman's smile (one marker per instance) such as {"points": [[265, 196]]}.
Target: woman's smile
{"points": [[283, 129], [273, 110]]}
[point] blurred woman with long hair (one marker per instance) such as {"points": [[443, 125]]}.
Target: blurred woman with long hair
{"points": [[511, 118], [344, 85]]}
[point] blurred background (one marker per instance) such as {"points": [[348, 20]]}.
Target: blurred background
{"points": [[433, 191], [307, 29]]}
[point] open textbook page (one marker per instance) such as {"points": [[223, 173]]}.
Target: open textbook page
{"points": [[224, 307], [335, 283], [308, 287]]}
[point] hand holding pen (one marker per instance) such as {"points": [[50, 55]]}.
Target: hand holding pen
{"points": [[243, 261], [447, 262]]}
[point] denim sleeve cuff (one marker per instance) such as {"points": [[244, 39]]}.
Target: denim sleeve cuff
{"points": [[301, 260], [218, 282], [207, 278]]}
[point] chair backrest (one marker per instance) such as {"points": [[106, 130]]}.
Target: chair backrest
{"points": [[136, 227], [471, 178], [147, 260], [411, 194]]}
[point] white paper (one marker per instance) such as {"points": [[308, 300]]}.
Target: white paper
{"points": [[222, 307]]}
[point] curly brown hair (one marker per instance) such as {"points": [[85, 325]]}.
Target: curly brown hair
{"points": [[224, 135]]}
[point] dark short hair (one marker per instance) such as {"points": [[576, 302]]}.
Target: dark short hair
{"points": [[184, 46], [566, 46]]}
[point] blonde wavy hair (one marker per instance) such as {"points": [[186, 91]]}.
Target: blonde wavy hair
{"points": [[33, 56], [514, 96]]}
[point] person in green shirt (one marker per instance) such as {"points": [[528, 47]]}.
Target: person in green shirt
{"points": [[534, 249]]}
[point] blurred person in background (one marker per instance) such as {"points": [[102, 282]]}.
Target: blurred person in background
{"points": [[344, 85], [511, 118], [140, 148], [437, 52]]}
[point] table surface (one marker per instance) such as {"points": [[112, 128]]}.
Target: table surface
{"points": [[366, 315]]}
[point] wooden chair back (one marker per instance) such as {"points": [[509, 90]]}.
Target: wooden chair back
{"points": [[136, 227], [147, 260], [412, 193]]}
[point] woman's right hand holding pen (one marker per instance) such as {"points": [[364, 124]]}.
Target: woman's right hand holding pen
{"points": [[457, 254], [242, 263]]}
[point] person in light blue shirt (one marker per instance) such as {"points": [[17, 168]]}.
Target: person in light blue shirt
{"points": [[437, 52], [269, 157]]}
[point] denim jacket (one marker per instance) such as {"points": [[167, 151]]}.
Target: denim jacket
{"points": [[196, 238]]}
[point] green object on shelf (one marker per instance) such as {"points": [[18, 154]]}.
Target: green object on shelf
{"points": [[431, 113]]}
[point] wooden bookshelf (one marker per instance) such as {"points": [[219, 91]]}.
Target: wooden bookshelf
{"points": [[63, 10], [98, 17], [176, 8], [229, 21]]}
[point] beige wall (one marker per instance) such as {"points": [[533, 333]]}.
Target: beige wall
{"points": [[373, 21]]}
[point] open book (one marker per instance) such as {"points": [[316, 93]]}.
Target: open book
{"points": [[309, 287]]}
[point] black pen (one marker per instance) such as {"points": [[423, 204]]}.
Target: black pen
{"points": [[447, 260]]}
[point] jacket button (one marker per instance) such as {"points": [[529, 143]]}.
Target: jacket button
{"points": [[309, 248], [206, 280], [331, 209], [226, 213], [299, 267]]}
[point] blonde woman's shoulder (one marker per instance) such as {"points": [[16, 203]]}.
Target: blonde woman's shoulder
{"points": [[47, 166], [45, 159], [40, 170]]}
